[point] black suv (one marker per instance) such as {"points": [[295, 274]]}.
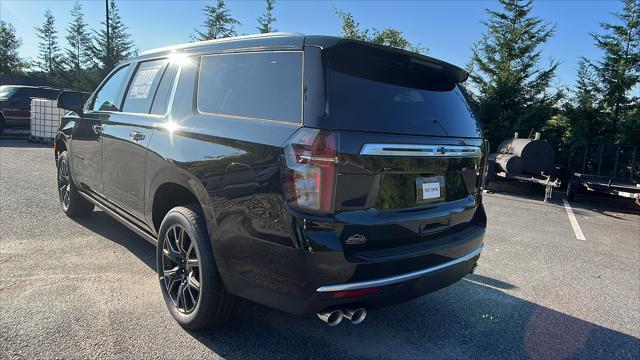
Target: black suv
{"points": [[313, 174], [15, 103]]}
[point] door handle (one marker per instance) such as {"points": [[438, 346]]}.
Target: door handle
{"points": [[136, 135], [98, 129]]}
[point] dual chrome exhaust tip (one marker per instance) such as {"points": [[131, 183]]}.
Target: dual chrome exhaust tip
{"points": [[333, 317]]}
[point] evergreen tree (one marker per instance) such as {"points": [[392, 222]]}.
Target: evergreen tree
{"points": [[389, 36], [49, 59], [108, 51], [77, 54], [267, 19], [619, 69], [586, 111], [10, 62], [512, 86], [218, 23]]}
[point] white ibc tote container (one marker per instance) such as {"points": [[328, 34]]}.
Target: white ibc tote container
{"points": [[45, 119]]}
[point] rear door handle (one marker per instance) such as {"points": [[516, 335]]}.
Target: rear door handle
{"points": [[136, 135]]}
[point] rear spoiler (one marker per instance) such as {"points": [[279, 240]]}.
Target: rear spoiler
{"points": [[452, 72]]}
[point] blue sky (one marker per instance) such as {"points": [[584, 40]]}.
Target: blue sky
{"points": [[447, 28]]}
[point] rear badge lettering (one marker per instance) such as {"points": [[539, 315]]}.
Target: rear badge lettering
{"points": [[356, 239]]}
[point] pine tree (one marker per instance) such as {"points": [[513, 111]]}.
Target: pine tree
{"points": [[49, 59], [586, 112], [108, 51], [389, 36], [267, 19], [619, 69], [10, 62], [218, 23], [512, 86], [77, 54]]}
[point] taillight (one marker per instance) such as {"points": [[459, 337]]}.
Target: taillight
{"points": [[484, 170], [310, 175]]}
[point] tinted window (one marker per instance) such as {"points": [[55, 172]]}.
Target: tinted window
{"points": [[23, 96], [107, 97], [382, 91], [51, 94], [143, 86], [265, 85], [7, 91], [163, 93]]}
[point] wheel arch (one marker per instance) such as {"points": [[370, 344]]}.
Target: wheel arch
{"points": [[60, 145], [168, 192]]}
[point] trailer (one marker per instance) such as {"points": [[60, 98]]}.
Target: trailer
{"points": [[525, 160], [549, 182], [611, 169]]}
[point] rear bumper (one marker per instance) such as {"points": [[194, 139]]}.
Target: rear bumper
{"points": [[314, 282], [392, 280]]}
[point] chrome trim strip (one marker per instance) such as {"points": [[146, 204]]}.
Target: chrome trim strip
{"points": [[399, 278], [421, 150]]}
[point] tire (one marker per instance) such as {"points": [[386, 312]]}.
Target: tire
{"points": [[2, 127], [189, 279], [72, 203]]}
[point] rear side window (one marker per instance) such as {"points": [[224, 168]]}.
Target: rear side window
{"points": [[163, 93], [265, 85], [106, 99], [143, 87], [382, 91]]}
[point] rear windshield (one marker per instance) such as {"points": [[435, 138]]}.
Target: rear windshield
{"points": [[376, 90]]}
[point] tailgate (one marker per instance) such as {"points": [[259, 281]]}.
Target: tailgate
{"points": [[398, 191]]}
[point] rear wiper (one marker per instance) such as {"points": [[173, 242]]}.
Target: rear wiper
{"points": [[435, 121]]}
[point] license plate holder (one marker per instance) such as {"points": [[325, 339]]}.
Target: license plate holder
{"points": [[430, 189]]}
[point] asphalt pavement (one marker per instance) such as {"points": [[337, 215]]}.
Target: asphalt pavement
{"points": [[87, 288]]}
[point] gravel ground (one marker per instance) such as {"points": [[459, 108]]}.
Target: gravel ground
{"points": [[87, 289]]}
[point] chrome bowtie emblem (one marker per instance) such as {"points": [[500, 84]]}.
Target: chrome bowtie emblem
{"points": [[356, 239], [441, 150]]}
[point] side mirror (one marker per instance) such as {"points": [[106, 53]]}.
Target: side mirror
{"points": [[73, 101]]}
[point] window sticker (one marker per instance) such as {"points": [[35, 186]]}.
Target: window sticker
{"points": [[143, 81]]}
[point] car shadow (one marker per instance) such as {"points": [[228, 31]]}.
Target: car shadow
{"points": [[466, 320], [104, 225], [474, 318]]}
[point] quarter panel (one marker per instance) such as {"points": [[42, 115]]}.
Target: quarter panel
{"points": [[234, 168]]}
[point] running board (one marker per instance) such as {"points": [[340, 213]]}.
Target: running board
{"points": [[143, 234]]}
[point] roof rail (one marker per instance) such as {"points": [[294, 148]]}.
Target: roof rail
{"points": [[216, 41]]}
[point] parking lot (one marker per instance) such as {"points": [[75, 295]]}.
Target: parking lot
{"points": [[86, 288]]}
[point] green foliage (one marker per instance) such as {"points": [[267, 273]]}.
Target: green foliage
{"points": [[267, 19], [630, 126], [618, 72], [10, 62], [389, 36], [108, 51], [512, 87], [218, 23], [78, 52], [49, 60]]}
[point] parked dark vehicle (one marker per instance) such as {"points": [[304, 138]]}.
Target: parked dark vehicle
{"points": [[313, 174], [15, 103]]}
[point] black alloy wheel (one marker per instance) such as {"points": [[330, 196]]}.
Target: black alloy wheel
{"points": [[181, 269], [72, 203], [64, 184]]}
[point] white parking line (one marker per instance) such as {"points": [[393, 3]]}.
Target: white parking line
{"points": [[574, 222]]}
